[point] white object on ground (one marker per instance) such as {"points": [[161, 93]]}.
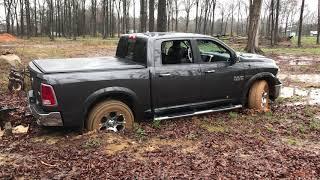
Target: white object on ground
{"points": [[12, 59], [20, 129]]}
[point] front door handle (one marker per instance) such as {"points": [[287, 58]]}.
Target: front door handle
{"points": [[165, 75], [210, 71]]}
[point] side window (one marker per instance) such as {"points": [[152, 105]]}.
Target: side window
{"points": [[176, 52], [211, 51], [134, 49]]}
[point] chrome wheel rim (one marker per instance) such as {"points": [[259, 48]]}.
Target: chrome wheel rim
{"points": [[114, 121], [264, 100]]}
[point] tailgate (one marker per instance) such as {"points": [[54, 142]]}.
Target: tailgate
{"points": [[35, 79]]}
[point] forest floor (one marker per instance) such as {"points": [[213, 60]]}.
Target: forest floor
{"points": [[283, 143]]}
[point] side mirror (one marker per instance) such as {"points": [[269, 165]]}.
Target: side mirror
{"points": [[234, 60]]}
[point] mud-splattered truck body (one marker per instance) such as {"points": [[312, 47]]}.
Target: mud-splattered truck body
{"points": [[152, 76]]}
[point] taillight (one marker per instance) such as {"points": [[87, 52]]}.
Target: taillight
{"points": [[48, 96]]}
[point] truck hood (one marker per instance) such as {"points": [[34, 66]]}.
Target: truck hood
{"points": [[49, 66], [248, 57]]}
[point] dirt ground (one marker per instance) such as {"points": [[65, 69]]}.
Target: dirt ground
{"points": [[283, 143]]}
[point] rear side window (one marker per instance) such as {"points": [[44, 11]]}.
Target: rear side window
{"points": [[132, 48]]}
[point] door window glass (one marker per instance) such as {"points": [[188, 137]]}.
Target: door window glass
{"points": [[211, 51], [176, 52]]}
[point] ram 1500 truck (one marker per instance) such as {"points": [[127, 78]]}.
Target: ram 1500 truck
{"points": [[152, 76]]}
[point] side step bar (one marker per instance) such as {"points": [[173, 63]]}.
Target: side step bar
{"points": [[172, 116]]}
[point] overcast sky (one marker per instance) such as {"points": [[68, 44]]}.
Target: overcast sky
{"points": [[312, 5]]}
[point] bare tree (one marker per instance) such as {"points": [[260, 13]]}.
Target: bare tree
{"points": [[318, 36], [21, 17], [197, 14], [276, 28], [300, 23], [134, 17], [162, 16], [124, 21], [214, 3], [151, 15], [253, 30], [94, 18], [28, 18], [143, 18], [177, 14], [188, 4], [7, 8]]}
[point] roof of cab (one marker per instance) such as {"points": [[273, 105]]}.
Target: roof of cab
{"points": [[164, 35]]}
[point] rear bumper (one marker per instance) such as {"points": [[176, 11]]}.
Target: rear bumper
{"points": [[44, 118]]}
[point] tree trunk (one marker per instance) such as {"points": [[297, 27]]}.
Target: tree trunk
{"points": [[187, 20], [300, 23], [231, 26], [74, 19], [21, 18], [162, 16], [276, 29], [27, 5], [35, 18], [50, 4], [213, 18], [177, 13], [272, 22], [207, 6], [134, 17], [94, 17], [142, 16], [7, 8], [253, 30], [151, 15], [197, 14], [318, 36], [124, 28]]}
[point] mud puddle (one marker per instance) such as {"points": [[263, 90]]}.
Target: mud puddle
{"points": [[304, 78], [309, 96]]}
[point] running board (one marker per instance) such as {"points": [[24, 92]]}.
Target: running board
{"points": [[225, 108]]}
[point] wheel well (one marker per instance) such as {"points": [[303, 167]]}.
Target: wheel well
{"points": [[128, 100], [271, 84]]}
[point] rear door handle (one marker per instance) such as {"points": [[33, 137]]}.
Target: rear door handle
{"points": [[165, 75], [210, 71]]}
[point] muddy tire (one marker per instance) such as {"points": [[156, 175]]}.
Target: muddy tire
{"points": [[112, 115], [259, 96], [15, 86]]}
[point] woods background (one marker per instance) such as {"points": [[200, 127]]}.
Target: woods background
{"points": [[110, 18]]}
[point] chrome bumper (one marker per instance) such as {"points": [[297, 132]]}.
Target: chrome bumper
{"points": [[277, 91], [44, 119]]}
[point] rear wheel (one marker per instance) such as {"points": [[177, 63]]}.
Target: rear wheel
{"points": [[259, 96], [110, 115]]}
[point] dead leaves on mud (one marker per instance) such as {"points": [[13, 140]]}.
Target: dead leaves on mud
{"points": [[242, 144]]}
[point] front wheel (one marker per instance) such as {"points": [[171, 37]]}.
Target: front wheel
{"points": [[259, 96], [110, 115]]}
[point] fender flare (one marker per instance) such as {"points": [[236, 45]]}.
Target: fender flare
{"points": [[108, 92], [269, 77]]}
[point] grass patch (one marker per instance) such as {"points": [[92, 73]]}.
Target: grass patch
{"points": [[310, 111], [140, 133], [156, 124], [215, 128], [291, 141], [233, 115], [315, 125], [92, 143]]}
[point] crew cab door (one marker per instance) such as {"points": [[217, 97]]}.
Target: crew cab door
{"points": [[221, 79], [175, 82]]}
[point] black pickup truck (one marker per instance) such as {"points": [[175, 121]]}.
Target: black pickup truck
{"points": [[153, 76]]}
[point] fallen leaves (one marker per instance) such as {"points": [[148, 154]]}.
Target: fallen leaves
{"points": [[242, 144]]}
